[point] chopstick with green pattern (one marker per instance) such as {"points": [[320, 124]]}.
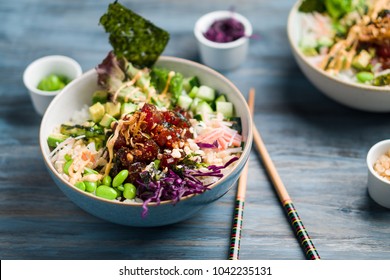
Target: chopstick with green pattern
{"points": [[300, 231], [235, 239], [296, 223]]}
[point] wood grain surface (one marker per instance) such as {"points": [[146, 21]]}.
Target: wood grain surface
{"points": [[318, 147]]}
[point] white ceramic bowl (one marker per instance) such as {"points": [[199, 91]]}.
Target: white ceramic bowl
{"points": [[378, 187], [222, 56], [79, 92], [42, 67], [358, 96]]}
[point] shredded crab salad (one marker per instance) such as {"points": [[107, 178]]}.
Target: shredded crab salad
{"points": [[150, 135], [349, 39]]}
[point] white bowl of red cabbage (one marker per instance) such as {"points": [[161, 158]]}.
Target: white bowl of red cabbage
{"points": [[146, 147], [223, 39], [343, 51]]}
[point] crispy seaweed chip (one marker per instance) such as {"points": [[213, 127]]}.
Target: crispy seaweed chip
{"points": [[132, 36]]}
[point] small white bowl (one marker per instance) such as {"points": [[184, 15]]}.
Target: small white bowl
{"points": [[222, 56], [349, 93], [42, 67], [378, 187]]}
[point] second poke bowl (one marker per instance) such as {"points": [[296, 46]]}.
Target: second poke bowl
{"points": [[339, 52]]}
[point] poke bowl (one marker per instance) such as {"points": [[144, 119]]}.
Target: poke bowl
{"points": [[154, 197], [340, 56]]}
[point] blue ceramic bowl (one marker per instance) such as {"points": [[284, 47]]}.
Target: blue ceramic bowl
{"points": [[79, 92]]}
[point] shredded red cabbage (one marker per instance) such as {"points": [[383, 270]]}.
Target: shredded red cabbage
{"points": [[175, 184], [225, 30], [207, 145]]}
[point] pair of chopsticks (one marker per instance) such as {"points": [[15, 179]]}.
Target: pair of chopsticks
{"points": [[292, 214]]}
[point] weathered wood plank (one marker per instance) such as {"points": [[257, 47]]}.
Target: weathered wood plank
{"points": [[318, 147]]}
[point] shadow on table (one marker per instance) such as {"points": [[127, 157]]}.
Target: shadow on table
{"points": [[330, 118]]}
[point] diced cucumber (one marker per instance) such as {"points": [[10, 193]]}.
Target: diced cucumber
{"points": [[206, 93], [309, 51], [127, 108], [204, 108], [55, 138], [308, 45], [113, 109], [225, 108], [221, 98], [194, 105], [107, 120], [324, 41], [190, 82], [362, 60], [99, 96], [125, 94], [308, 42], [184, 101], [96, 112], [193, 92]]}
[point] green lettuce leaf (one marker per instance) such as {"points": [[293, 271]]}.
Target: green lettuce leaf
{"points": [[309, 6], [159, 78]]}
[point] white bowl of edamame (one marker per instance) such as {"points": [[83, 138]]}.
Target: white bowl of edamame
{"points": [[149, 207]]}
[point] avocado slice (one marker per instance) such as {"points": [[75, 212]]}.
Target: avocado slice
{"points": [[113, 109], [107, 120], [55, 138], [97, 111]]}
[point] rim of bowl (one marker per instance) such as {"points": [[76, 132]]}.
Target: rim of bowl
{"points": [[293, 43], [209, 18], [60, 59], [245, 152], [370, 161]]}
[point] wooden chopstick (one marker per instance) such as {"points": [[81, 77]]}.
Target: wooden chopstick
{"points": [[292, 214], [234, 250]]}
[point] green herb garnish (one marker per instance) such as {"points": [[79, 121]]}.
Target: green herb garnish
{"points": [[132, 36]]}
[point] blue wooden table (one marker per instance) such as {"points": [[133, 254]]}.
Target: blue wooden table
{"points": [[318, 146]]}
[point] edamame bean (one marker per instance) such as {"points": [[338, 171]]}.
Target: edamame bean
{"points": [[129, 191], [52, 82], [90, 171], [67, 157], [364, 77], [80, 185], [90, 186], [121, 188], [107, 180], [119, 193], [67, 165], [120, 178], [106, 192]]}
